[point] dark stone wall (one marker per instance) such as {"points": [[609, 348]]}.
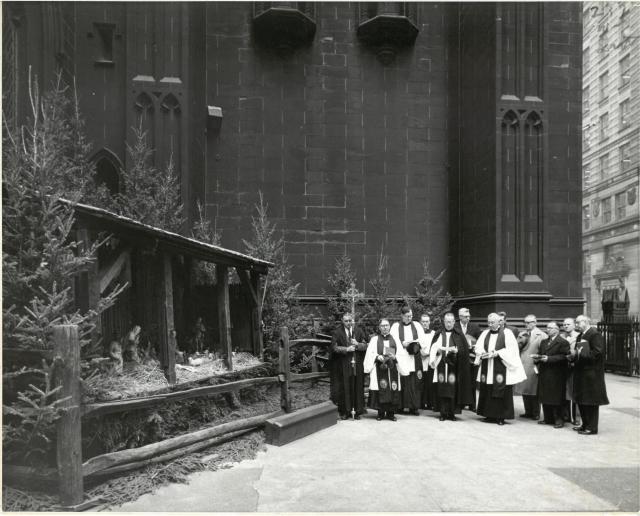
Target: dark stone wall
{"points": [[349, 154], [563, 256], [352, 156], [473, 150]]}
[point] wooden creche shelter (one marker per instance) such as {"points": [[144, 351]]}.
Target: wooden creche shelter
{"points": [[157, 267]]}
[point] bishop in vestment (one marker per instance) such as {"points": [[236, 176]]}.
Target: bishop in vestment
{"points": [[500, 369]]}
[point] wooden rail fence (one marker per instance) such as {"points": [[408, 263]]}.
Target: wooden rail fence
{"points": [[72, 472]]}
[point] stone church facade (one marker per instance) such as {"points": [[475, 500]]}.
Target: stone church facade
{"points": [[439, 131]]}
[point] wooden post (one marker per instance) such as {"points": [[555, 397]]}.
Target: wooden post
{"points": [[224, 314], [256, 317], [167, 335], [69, 432], [314, 360], [284, 374]]}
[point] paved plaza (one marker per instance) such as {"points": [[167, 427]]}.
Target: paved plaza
{"points": [[424, 465]]}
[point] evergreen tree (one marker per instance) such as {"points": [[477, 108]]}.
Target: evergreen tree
{"points": [[204, 272], [281, 306], [43, 160], [380, 306], [431, 297], [150, 196]]}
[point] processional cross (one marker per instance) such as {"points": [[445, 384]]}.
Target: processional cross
{"points": [[352, 294]]}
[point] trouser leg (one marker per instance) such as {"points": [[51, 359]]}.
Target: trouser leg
{"points": [[557, 414]]}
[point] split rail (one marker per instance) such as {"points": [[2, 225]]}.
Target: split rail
{"points": [[72, 472]]}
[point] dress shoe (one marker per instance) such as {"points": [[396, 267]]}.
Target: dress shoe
{"points": [[535, 418], [343, 416], [442, 418], [378, 418], [392, 418], [501, 422], [578, 428], [453, 418], [586, 431], [356, 417], [525, 415], [542, 422], [414, 412], [558, 425]]}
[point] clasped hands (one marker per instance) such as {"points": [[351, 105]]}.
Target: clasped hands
{"points": [[353, 346], [489, 354]]}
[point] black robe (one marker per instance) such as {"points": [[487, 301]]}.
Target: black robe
{"points": [[460, 389], [588, 372], [552, 374], [341, 371]]}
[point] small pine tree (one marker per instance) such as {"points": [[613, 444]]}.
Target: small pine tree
{"points": [[204, 272], [43, 160], [150, 196], [281, 306], [431, 297], [340, 281], [380, 306]]}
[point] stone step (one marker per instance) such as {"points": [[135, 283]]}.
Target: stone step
{"points": [[296, 425]]}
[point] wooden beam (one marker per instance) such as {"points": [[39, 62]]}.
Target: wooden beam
{"points": [[69, 430], [167, 334], [110, 407], [256, 317], [284, 370], [308, 376], [174, 454], [109, 460], [248, 286], [224, 313], [251, 288], [111, 271]]}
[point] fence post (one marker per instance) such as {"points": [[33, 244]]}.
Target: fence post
{"points": [[284, 373], [69, 431], [314, 360]]}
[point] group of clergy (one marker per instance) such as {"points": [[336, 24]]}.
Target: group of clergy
{"points": [[412, 367]]}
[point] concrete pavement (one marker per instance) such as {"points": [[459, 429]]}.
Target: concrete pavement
{"points": [[422, 464]]}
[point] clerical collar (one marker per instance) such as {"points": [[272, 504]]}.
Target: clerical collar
{"points": [[448, 331], [386, 337], [494, 332], [407, 323]]}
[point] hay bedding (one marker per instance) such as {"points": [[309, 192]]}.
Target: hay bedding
{"points": [[148, 378], [131, 486]]}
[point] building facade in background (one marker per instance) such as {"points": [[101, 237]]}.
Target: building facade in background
{"points": [[611, 155], [441, 131]]}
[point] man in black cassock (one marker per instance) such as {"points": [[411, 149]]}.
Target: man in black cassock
{"points": [[551, 361], [348, 346], [589, 390], [468, 328], [449, 358]]}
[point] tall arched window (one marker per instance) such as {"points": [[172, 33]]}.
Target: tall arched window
{"points": [[170, 113], [146, 115], [532, 194], [510, 236]]}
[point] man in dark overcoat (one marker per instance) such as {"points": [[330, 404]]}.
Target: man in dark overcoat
{"points": [[589, 390], [551, 361], [467, 328], [348, 347]]}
